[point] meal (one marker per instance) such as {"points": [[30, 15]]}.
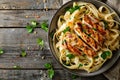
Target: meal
{"points": [[86, 36]]}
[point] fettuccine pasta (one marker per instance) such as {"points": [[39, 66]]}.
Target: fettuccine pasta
{"points": [[86, 36]]}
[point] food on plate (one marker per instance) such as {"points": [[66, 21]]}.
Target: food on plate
{"points": [[86, 36]]}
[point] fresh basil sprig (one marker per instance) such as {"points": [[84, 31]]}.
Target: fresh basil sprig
{"points": [[50, 69], [30, 26], [44, 26], [105, 54], [23, 53], [66, 29], [40, 42], [1, 51], [71, 10]]}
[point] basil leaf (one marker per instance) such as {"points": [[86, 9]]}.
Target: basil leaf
{"points": [[40, 42], [71, 10], [44, 26], [67, 29], [48, 65], [23, 53], [67, 8], [70, 56], [105, 24], [16, 67], [105, 54], [80, 65], [50, 70], [51, 73], [34, 23], [108, 53], [1, 51], [29, 28]]}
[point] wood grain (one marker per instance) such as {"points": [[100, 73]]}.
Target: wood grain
{"points": [[30, 4], [19, 38], [19, 18], [28, 63], [41, 75]]}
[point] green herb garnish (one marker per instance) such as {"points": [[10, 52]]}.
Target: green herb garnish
{"points": [[44, 26], [23, 53], [49, 67], [40, 42], [16, 67], [67, 29], [74, 76], [29, 28], [51, 73], [80, 65], [67, 8], [105, 24], [108, 53], [34, 23], [105, 54], [71, 10], [70, 56], [1, 51]]}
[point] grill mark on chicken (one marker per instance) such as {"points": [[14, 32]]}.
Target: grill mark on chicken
{"points": [[87, 20], [94, 34], [80, 47], [87, 39]]}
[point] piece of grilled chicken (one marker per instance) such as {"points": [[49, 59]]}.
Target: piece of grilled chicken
{"points": [[75, 45], [86, 38]]}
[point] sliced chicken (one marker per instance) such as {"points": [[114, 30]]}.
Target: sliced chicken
{"points": [[77, 46], [88, 20], [93, 33], [86, 38]]}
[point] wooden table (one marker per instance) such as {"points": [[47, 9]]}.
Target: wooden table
{"points": [[14, 15]]}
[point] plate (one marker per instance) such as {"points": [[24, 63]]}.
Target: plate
{"points": [[53, 25]]}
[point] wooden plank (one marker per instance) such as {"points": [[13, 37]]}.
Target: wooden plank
{"points": [[27, 62], [19, 38], [31, 75], [41, 75], [13, 40], [19, 18], [30, 4]]}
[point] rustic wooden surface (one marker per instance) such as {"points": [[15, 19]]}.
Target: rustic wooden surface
{"points": [[14, 15]]}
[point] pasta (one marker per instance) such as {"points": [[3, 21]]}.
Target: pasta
{"points": [[86, 36]]}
